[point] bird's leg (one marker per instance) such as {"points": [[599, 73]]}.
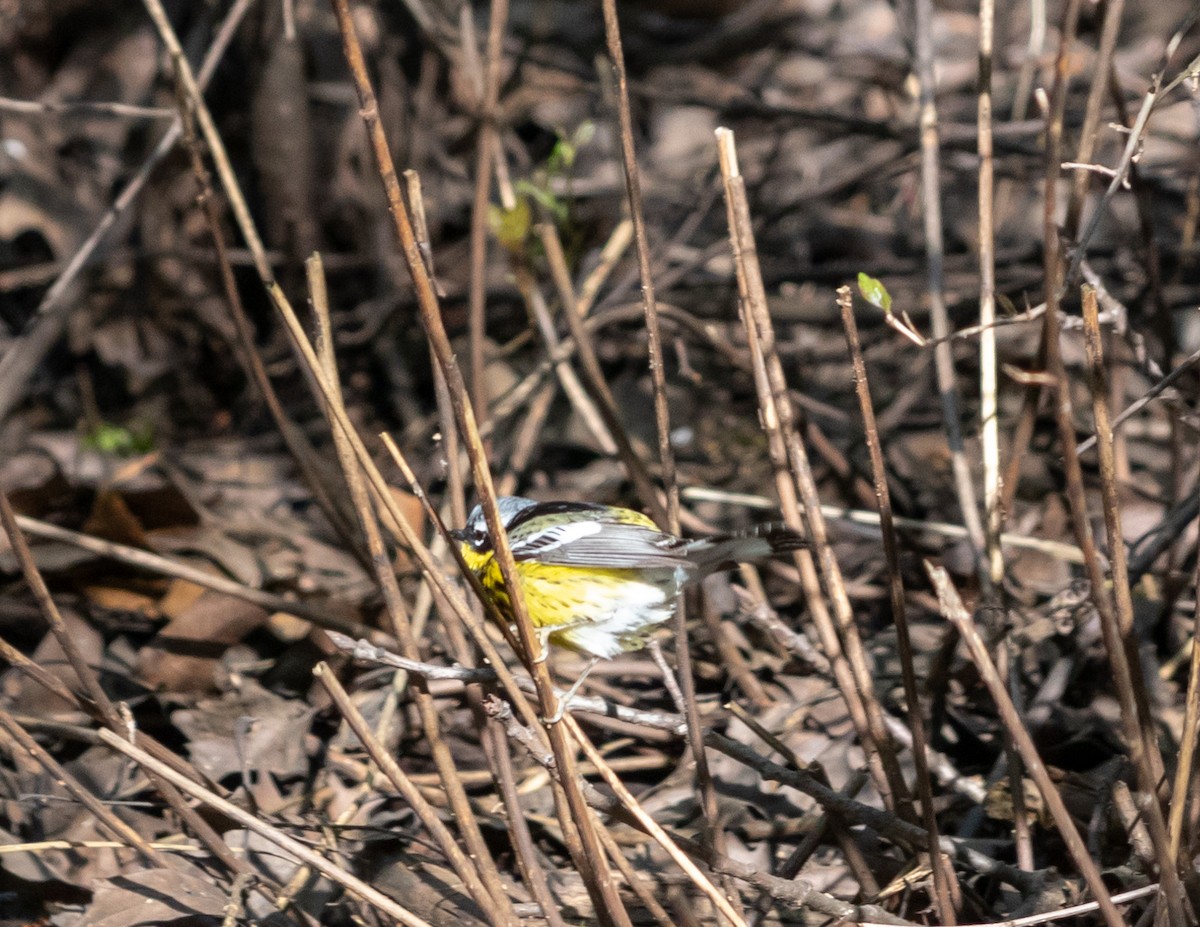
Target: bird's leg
{"points": [[566, 699], [543, 635], [668, 675]]}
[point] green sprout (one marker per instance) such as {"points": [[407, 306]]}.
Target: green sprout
{"points": [[512, 226], [120, 441], [874, 292]]}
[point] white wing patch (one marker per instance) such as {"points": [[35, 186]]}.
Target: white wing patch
{"points": [[557, 536]]}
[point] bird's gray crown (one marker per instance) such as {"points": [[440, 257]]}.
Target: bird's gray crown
{"points": [[475, 532]]}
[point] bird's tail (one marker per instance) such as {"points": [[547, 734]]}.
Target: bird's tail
{"points": [[725, 551]]}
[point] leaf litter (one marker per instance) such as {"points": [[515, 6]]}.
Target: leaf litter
{"points": [[137, 423]]}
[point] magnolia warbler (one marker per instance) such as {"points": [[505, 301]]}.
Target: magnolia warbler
{"points": [[598, 579]]}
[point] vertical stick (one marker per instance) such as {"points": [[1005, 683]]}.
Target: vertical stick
{"points": [[988, 400], [464, 867], [401, 623], [944, 884], [594, 375], [1142, 751], [633, 187], [1091, 117], [954, 610], [1180, 793], [935, 257], [794, 481], [683, 658], [1119, 635], [484, 155]]}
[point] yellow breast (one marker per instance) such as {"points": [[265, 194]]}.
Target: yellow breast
{"points": [[589, 609]]}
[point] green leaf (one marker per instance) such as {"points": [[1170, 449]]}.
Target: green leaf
{"points": [[120, 441], [874, 292], [561, 157]]}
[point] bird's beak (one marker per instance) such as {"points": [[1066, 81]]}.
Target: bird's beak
{"points": [[458, 534]]}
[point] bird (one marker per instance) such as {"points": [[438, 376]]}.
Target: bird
{"points": [[598, 580]]}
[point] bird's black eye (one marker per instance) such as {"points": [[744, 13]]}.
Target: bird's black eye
{"points": [[479, 539]]}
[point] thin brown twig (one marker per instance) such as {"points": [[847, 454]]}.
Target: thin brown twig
{"points": [[312, 468], [494, 743], [943, 355], [1185, 763], [633, 189], [1119, 635], [1091, 119], [947, 895], [456, 494], [1130, 689], [795, 483], [328, 615], [989, 408], [742, 244], [274, 835], [426, 814], [102, 707], [701, 881], [528, 860], [485, 148], [594, 375], [662, 418], [954, 611], [122, 832], [399, 616], [26, 353]]}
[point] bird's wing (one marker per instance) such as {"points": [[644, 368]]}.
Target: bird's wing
{"points": [[601, 542]]}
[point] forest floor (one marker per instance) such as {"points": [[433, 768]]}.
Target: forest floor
{"points": [[940, 320]]}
